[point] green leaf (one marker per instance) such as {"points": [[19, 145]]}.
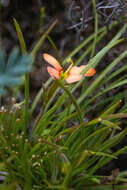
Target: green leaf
{"points": [[1, 91], [101, 154], [20, 36], [17, 65], [7, 80]]}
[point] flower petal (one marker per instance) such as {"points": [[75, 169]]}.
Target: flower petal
{"points": [[52, 61], [73, 78], [53, 73], [77, 70], [90, 72]]}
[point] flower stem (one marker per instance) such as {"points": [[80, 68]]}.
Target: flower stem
{"points": [[75, 104]]}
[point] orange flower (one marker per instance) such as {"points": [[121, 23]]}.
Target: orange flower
{"points": [[73, 74]]}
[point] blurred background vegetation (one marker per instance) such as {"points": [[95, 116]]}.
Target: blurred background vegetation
{"points": [[75, 24]]}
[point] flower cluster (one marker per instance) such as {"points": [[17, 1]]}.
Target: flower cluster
{"points": [[73, 73]]}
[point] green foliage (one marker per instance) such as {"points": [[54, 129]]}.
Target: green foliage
{"points": [[12, 70], [60, 149]]}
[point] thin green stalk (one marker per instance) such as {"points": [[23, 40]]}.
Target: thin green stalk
{"points": [[48, 95], [27, 95], [54, 47], [37, 98], [75, 104], [20, 37], [66, 181], [95, 28], [38, 45], [42, 16], [24, 50]]}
